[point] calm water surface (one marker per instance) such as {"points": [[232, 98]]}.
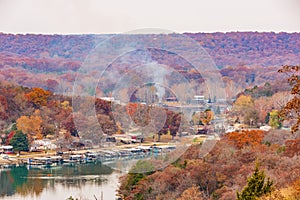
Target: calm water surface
{"points": [[82, 181]]}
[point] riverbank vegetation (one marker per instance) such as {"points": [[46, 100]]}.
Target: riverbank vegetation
{"points": [[244, 164], [224, 171], [40, 114]]}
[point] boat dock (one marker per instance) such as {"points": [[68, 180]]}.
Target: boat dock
{"points": [[102, 155]]}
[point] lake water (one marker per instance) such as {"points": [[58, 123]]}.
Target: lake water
{"points": [[86, 181], [82, 181]]}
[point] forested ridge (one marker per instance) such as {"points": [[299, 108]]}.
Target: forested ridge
{"points": [[227, 49], [245, 58]]}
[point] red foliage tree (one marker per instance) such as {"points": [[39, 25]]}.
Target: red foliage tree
{"points": [[9, 136], [292, 147]]}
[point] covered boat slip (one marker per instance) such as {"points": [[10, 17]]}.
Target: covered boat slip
{"points": [[39, 161], [103, 155]]}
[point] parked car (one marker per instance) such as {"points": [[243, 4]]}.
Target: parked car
{"points": [[110, 139], [126, 140], [202, 131], [183, 134], [59, 153], [5, 157], [137, 139]]}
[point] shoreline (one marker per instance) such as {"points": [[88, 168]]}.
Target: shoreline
{"points": [[15, 159]]}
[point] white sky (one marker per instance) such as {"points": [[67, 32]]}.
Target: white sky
{"points": [[116, 16]]}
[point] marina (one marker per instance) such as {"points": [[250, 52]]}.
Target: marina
{"points": [[85, 174], [102, 156]]}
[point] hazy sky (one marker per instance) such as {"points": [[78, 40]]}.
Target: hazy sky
{"points": [[115, 16]]}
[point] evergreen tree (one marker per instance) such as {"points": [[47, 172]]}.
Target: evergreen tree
{"points": [[218, 110], [267, 118], [256, 186], [19, 142]]}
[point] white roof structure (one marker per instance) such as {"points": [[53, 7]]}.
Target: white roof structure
{"points": [[6, 147]]}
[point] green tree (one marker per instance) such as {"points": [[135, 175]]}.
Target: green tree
{"points": [[267, 119], [19, 142], [274, 121], [256, 186], [140, 171], [71, 198]]}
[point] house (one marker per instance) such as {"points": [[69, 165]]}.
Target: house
{"points": [[198, 100], [44, 144]]}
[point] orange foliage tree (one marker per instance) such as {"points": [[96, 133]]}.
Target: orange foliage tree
{"points": [[38, 97], [291, 110], [31, 126], [131, 108], [192, 193], [206, 116], [139, 113], [246, 138]]}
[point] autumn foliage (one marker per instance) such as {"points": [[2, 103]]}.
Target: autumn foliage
{"points": [[131, 108], [221, 173], [292, 108], [38, 97], [192, 193], [244, 138], [243, 59], [292, 147], [31, 126]]}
